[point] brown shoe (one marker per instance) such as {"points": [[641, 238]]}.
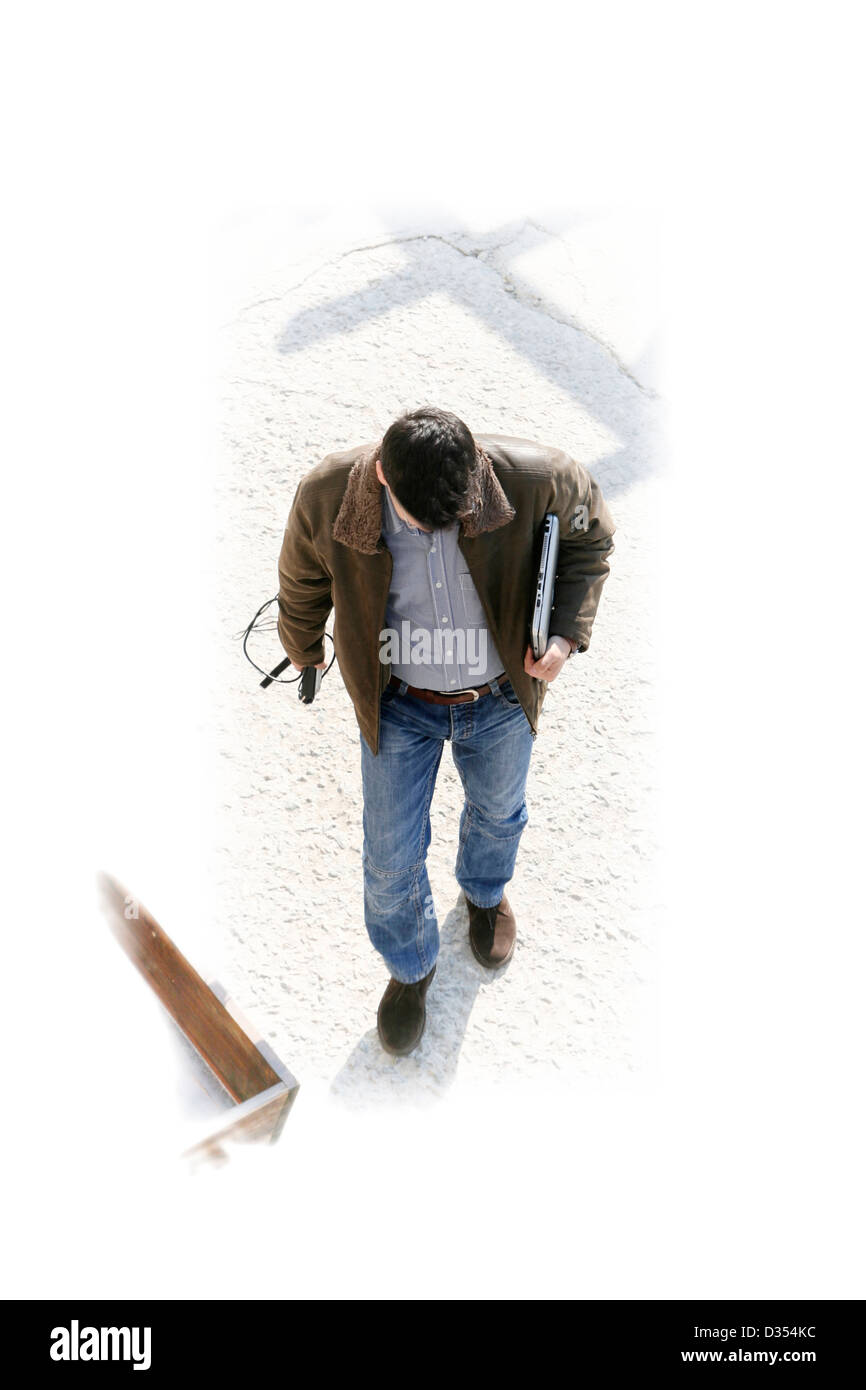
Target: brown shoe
{"points": [[492, 933], [402, 1015]]}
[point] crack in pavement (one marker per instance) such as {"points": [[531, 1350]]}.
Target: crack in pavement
{"points": [[528, 300], [534, 302]]}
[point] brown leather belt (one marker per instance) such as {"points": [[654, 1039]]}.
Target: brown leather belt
{"points": [[460, 697]]}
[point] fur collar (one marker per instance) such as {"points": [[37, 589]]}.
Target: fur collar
{"points": [[359, 521]]}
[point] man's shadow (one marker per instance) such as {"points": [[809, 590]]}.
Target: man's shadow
{"points": [[372, 1075], [502, 302]]}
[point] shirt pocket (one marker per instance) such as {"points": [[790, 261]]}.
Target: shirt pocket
{"points": [[472, 606]]}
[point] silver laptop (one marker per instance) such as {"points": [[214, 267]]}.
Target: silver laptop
{"points": [[543, 602]]}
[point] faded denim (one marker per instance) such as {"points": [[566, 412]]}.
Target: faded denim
{"points": [[491, 743]]}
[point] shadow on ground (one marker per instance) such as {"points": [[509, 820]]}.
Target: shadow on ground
{"points": [[428, 1072], [571, 358]]}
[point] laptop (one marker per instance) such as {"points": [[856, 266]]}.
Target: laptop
{"points": [[543, 600]]}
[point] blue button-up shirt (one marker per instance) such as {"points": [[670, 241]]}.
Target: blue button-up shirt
{"points": [[436, 628]]}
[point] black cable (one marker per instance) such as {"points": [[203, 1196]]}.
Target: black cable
{"points": [[272, 677]]}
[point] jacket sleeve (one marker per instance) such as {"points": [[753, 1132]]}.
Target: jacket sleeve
{"points": [[304, 600], [585, 543]]}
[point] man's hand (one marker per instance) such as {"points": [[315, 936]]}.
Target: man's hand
{"points": [[320, 666], [547, 667]]}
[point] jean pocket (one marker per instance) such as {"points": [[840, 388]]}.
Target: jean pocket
{"points": [[506, 690], [388, 694]]}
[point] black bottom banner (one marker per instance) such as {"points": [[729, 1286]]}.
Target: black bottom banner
{"points": [[160, 1338]]}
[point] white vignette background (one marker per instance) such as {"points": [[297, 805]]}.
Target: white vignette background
{"points": [[734, 1169]]}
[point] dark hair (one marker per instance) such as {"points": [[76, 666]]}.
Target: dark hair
{"points": [[429, 460]]}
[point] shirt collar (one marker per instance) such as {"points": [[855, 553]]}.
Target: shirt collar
{"points": [[391, 522]]}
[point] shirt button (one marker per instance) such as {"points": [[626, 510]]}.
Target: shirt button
{"points": [[432, 550], [444, 622], [438, 584], [454, 682]]}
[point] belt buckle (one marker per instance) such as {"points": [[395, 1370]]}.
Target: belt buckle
{"points": [[474, 693]]}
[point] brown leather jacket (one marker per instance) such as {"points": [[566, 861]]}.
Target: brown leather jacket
{"points": [[333, 556]]}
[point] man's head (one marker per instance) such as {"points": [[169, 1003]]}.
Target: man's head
{"points": [[428, 459]]}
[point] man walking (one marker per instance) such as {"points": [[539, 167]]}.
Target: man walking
{"points": [[425, 545]]}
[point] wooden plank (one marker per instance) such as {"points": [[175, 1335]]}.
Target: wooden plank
{"points": [[231, 1055], [254, 1034], [261, 1118]]}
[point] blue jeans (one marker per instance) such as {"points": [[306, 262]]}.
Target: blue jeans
{"points": [[491, 742]]}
